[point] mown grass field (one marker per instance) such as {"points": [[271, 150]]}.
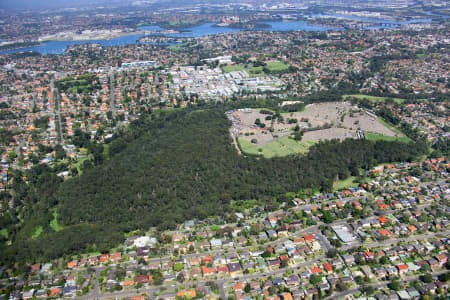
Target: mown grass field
{"points": [[178, 47], [379, 137], [233, 68], [277, 66], [273, 66], [281, 147], [374, 98], [400, 134]]}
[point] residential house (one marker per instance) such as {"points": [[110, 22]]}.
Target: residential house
{"points": [[208, 271], [392, 271], [234, 268], [115, 257], [141, 279], [434, 263], [195, 273], [104, 258], [274, 263], [380, 272], [220, 260], [413, 293], [55, 291], [216, 243], [328, 268], [222, 270], [277, 281], [402, 269], [70, 291], [292, 280], [348, 259], [28, 294], [93, 260]]}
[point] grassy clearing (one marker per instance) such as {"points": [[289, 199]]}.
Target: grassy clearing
{"points": [[345, 184], [79, 163], [277, 66], [394, 129], [160, 110], [273, 66], [256, 71], [374, 98], [281, 147], [4, 233], [379, 137], [37, 232], [242, 205], [233, 68], [247, 147], [178, 47], [54, 223]]}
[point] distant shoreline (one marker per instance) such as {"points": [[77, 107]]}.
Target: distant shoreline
{"points": [[87, 36], [249, 25], [18, 45]]}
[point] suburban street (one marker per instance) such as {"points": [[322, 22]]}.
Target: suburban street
{"points": [[223, 282], [341, 295]]}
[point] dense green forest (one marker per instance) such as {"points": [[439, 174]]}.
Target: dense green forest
{"points": [[173, 166]]}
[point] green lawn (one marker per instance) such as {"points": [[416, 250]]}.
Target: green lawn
{"points": [[54, 223], [394, 129], [160, 110], [345, 184], [255, 70], [242, 205], [233, 68], [37, 232], [79, 163], [277, 66], [178, 47], [273, 66], [374, 98], [4, 233], [377, 137], [281, 147]]}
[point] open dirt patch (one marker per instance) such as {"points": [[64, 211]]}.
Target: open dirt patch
{"points": [[319, 121]]}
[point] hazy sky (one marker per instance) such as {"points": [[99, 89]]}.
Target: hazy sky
{"points": [[7, 4]]}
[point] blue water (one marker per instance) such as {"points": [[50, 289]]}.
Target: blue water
{"points": [[58, 47], [196, 31]]}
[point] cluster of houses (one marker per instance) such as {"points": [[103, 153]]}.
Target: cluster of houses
{"points": [[393, 207], [43, 284], [345, 271]]}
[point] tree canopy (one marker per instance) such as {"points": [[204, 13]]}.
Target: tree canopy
{"points": [[171, 167]]}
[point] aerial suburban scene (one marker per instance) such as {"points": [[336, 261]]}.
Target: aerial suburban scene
{"points": [[220, 149]]}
